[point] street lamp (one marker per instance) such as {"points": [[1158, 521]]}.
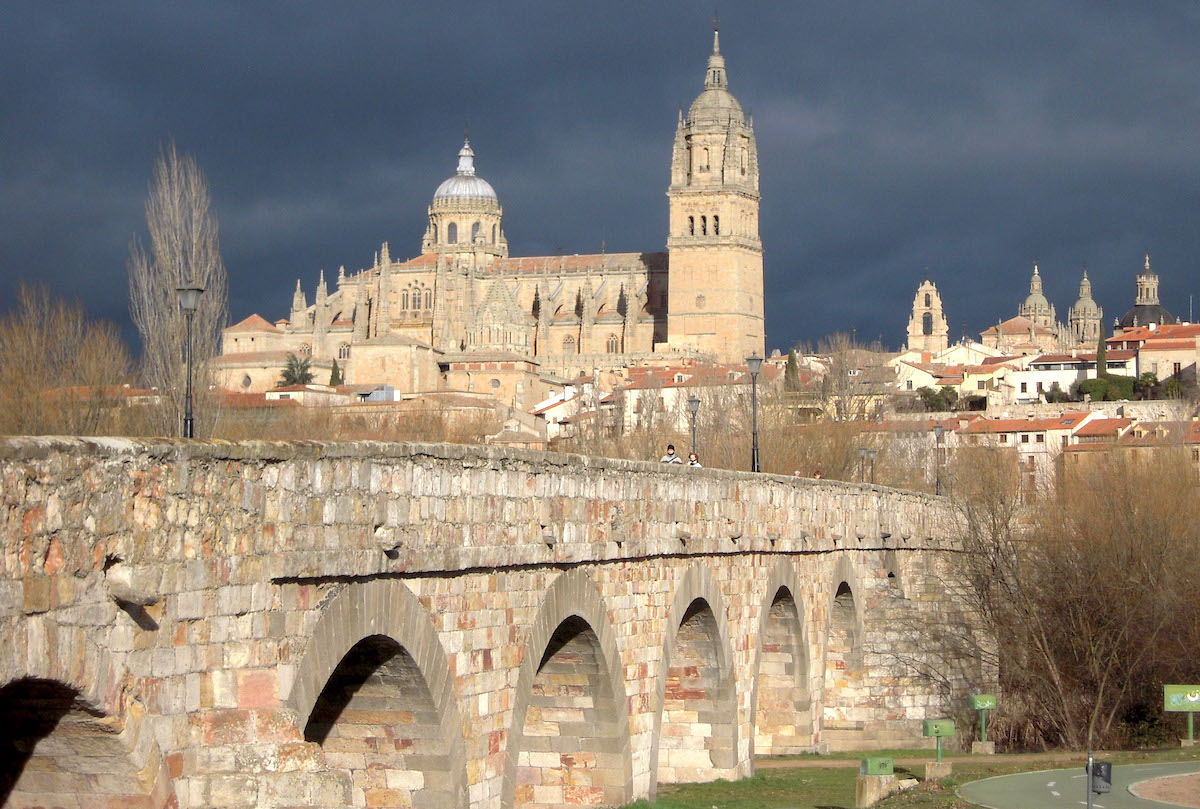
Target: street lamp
{"points": [[871, 455], [189, 302], [754, 365], [694, 407], [862, 464], [937, 452]]}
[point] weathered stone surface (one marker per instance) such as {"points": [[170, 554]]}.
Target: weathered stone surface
{"points": [[499, 668]]}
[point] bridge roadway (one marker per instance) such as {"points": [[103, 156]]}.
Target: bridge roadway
{"points": [[204, 624]]}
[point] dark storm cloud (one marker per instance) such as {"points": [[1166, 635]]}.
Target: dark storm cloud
{"points": [[971, 139]]}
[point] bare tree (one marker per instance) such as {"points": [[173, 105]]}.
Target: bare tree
{"points": [[59, 371], [857, 381], [182, 249]]}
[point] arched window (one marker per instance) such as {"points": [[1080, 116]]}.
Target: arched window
{"points": [[704, 226], [404, 299], [704, 164], [743, 153], [716, 225], [927, 323], [691, 226], [927, 299], [568, 345], [305, 350], [344, 351], [474, 232], [429, 299], [613, 344], [493, 234], [452, 233], [433, 230]]}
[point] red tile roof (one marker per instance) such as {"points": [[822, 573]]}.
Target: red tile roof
{"points": [[1066, 421], [252, 323], [1097, 427]]}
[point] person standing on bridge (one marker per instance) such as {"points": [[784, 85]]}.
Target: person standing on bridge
{"points": [[693, 461], [670, 457]]}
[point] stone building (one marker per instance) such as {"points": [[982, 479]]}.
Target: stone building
{"points": [[434, 320], [927, 329]]}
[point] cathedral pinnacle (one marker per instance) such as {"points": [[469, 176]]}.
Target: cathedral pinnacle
{"points": [[466, 159]]}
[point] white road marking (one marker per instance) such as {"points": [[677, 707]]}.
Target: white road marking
{"points": [[1055, 793], [1051, 784]]}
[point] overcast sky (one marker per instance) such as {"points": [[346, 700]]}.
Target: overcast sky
{"points": [[967, 138]]}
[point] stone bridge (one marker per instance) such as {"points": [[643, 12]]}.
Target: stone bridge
{"points": [[200, 624]]}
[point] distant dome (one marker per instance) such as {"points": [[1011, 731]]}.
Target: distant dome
{"points": [[1036, 300], [1145, 314], [464, 184], [716, 105]]}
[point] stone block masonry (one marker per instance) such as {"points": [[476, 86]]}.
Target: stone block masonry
{"points": [[194, 624]]}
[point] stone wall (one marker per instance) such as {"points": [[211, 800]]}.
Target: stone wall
{"points": [[369, 624]]}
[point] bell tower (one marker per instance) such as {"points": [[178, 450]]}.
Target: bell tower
{"points": [[715, 257]]}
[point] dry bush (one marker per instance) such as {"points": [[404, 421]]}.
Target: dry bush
{"points": [[1091, 595], [60, 372]]}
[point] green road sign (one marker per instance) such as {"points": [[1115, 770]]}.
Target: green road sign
{"points": [[1181, 697], [875, 766], [982, 702], [938, 727]]}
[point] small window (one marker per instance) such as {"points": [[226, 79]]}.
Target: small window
{"points": [[1041, 438], [910, 387], [404, 299], [1024, 438], [1024, 387], [429, 299], [613, 344], [306, 350], [704, 226], [433, 229], [716, 225], [493, 234], [928, 300], [927, 324], [474, 232], [452, 233], [679, 378], [568, 344], [691, 226], [344, 351], [495, 383], [980, 385], [247, 381], [1003, 438]]}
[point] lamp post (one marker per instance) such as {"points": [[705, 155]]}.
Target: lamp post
{"points": [[189, 302], [694, 407], [862, 464], [937, 452], [754, 365], [871, 455]]}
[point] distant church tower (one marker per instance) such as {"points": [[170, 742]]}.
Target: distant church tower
{"points": [[927, 329], [1036, 307], [1085, 317], [715, 293]]}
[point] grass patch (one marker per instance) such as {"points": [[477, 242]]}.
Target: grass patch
{"points": [[806, 786]]}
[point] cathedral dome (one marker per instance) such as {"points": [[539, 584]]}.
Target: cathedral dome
{"points": [[464, 184]]}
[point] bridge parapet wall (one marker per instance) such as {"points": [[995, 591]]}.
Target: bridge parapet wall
{"points": [[216, 588]]}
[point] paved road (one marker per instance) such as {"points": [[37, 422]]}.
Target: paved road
{"points": [[1063, 789]]}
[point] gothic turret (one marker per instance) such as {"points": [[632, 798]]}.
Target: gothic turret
{"points": [[1085, 317], [1146, 309]]}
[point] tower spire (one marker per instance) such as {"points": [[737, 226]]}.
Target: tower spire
{"points": [[716, 21]]}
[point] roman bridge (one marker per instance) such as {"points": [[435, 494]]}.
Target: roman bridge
{"points": [[207, 624]]}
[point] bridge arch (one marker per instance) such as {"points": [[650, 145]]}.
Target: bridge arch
{"points": [[70, 729], [695, 721], [781, 702], [374, 668], [570, 684], [845, 674]]}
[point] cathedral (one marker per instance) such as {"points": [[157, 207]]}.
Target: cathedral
{"points": [[465, 315]]}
